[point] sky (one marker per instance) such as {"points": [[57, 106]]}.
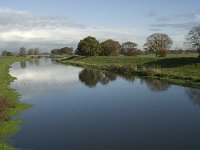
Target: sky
{"points": [[49, 24]]}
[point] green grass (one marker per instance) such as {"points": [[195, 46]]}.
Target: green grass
{"points": [[183, 69], [4, 146], [9, 101]]}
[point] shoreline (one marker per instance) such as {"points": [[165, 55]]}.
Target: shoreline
{"points": [[10, 100], [135, 70]]}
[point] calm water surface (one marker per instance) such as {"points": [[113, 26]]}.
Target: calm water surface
{"points": [[84, 109]]}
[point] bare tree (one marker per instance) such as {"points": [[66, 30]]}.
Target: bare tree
{"points": [[159, 43], [193, 38]]}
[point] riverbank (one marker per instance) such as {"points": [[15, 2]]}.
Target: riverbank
{"points": [[9, 101], [181, 70]]}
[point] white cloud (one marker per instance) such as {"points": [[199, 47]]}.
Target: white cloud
{"points": [[22, 28]]}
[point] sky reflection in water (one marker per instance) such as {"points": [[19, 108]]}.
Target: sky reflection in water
{"points": [[76, 108]]}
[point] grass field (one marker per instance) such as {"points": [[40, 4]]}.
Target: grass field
{"points": [[183, 69], [9, 103]]}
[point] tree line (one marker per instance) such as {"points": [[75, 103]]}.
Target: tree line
{"points": [[23, 52], [157, 43], [62, 51], [91, 47], [92, 77]]}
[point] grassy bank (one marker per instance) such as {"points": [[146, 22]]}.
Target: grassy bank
{"points": [[9, 101], [176, 69]]}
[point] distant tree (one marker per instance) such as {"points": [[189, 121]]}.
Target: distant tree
{"points": [[193, 38], [6, 53], [110, 47], [55, 52], [128, 46], [66, 50], [159, 43], [88, 47], [9, 54], [132, 52], [36, 51], [130, 49], [30, 51], [22, 52], [62, 51]]}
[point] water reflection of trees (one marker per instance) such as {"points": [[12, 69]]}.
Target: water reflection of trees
{"points": [[156, 85], [34, 62], [128, 77], [23, 64], [91, 77], [194, 95]]}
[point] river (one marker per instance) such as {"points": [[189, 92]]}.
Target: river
{"points": [[85, 109]]}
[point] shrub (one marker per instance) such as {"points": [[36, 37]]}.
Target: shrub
{"points": [[132, 52], [89, 47], [110, 48]]}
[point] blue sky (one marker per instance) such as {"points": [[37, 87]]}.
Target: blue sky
{"points": [[50, 24]]}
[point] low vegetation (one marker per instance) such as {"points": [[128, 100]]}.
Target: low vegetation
{"points": [[9, 104]]}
